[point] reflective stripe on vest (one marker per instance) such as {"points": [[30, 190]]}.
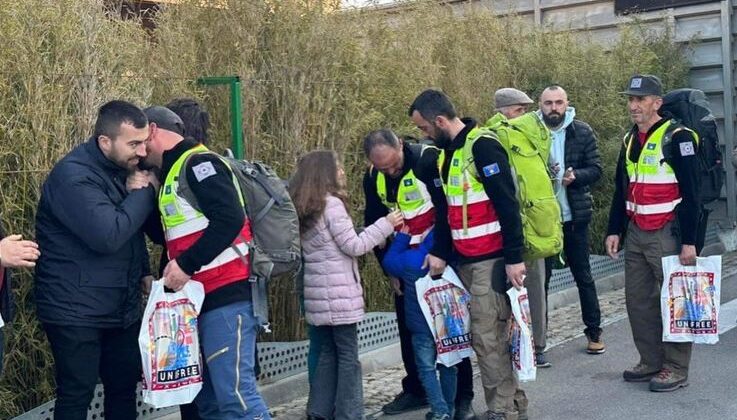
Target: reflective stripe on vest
{"points": [[474, 225], [653, 192], [415, 203], [184, 225]]}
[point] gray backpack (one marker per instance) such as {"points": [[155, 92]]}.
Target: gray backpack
{"points": [[275, 248]]}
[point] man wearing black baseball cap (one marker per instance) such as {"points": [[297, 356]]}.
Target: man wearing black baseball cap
{"points": [[206, 232], [655, 203]]}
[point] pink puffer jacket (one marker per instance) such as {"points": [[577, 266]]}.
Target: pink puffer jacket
{"points": [[332, 285]]}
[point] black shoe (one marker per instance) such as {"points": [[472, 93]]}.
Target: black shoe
{"points": [[404, 402], [541, 361], [464, 410]]}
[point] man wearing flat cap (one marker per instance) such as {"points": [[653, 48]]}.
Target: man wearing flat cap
{"points": [[207, 232], [654, 205], [511, 102]]}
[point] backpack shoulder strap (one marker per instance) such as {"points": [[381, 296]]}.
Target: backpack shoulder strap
{"points": [[471, 139]]}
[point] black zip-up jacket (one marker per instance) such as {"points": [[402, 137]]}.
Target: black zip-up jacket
{"points": [[93, 253], [218, 201], [425, 167], [498, 186], [686, 169], [582, 154]]}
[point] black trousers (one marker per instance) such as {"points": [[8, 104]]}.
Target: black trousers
{"points": [[576, 248], [82, 354], [411, 382]]}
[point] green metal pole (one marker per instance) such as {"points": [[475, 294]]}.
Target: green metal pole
{"points": [[236, 107]]}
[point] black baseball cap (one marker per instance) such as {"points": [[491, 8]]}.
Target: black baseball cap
{"points": [[644, 85], [165, 118]]}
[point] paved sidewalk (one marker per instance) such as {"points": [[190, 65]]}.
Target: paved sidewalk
{"points": [[565, 325]]}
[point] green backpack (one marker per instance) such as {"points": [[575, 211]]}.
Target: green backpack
{"points": [[527, 142]]}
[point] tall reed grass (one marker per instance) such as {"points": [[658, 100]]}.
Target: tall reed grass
{"points": [[312, 78]]}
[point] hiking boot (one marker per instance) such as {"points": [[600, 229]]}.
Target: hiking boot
{"points": [[666, 380], [596, 344], [432, 416], [495, 415], [404, 402], [541, 361], [639, 373], [464, 410]]}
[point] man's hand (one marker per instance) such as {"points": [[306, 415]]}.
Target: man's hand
{"points": [[15, 252], [137, 179], [153, 179], [174, 277], [554, 169], [611, 244], [568, 177], [396, 285], [516, 274], [688, 255], [146, 285], [436, 265]]}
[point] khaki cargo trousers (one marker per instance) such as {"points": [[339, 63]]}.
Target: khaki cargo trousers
{"points": [[490, 313], [643, 278]]}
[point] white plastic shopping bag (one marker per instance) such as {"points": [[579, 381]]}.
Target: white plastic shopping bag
{"points": [[520, 336], [689, 300], [170, 346], [445, 304]]}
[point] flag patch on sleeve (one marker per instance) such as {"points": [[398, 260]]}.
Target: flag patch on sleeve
{"points": [[203, 171], [687, 149], [490, 170]]}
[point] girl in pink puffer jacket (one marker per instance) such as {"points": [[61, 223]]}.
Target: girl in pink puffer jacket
{"points": [[333, 296]]}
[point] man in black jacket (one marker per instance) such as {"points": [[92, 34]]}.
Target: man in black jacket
{"points": [[14, 253], [575, 164], [93, 261]]}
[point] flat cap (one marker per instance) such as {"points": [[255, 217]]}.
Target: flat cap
{"points": [[510, 96]]}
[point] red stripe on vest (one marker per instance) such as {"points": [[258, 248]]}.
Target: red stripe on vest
{"points": [[479, 246], [418, 225], [219, 276], [478, 214]]}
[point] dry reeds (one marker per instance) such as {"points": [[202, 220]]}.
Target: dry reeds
{"points": [[312, 78]]}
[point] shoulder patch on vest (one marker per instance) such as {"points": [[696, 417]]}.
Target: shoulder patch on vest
{"points": [[203, 171], [651, 146], [686, 149], [407, 182], [490, 170]]}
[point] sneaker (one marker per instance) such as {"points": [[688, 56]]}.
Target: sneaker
{"points": [[541, 361], [404, 402], [596, 344], [639, 373], [666, 380], [433, 416], [464, 410]]}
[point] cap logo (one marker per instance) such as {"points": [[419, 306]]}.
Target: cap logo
{"points": [[636, 83]]}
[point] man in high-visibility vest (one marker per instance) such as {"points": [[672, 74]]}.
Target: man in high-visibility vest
{"points": [[486, 232], [206, 243], [405, 176], [655, 203]]}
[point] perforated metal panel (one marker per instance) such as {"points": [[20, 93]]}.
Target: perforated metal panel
{"points": [[96, 409]]}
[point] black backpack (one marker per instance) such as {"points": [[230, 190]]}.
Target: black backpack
{"points": [[690, 108]]}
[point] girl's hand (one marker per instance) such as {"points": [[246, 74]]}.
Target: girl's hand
{"points": [[396, 218], [405, 229]]}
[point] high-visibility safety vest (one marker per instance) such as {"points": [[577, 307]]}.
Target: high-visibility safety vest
{"points": [[474, 224], [653, 192], [414, 201], [184, 225]]}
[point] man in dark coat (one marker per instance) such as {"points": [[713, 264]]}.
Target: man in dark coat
{"points": [[93, 262]]}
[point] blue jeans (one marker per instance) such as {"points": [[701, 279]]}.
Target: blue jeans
{"points": [[227, 338], [441, 393]]}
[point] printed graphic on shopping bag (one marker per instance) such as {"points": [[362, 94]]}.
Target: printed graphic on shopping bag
{"points": [[521, 345], [169, 344], [690, 300], [445, 305], [173, 331]]}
